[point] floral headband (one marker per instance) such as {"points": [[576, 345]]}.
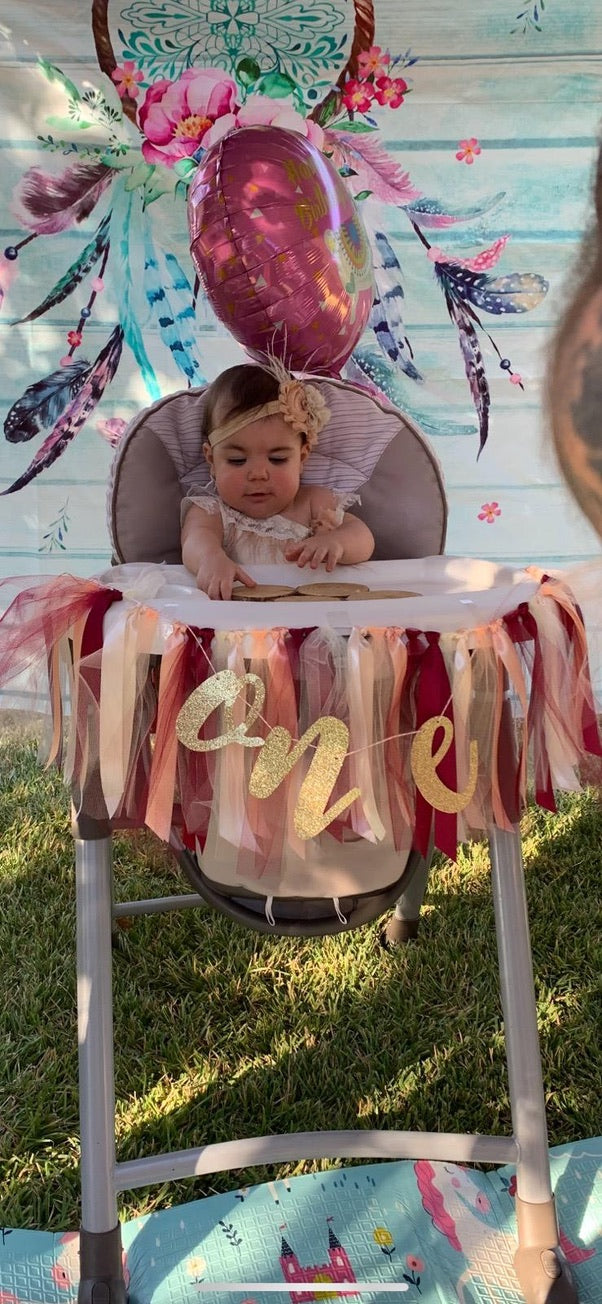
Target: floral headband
{"points": [[299, 403]]}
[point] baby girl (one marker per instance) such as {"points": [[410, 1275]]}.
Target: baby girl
{"points": [[260, 426]]}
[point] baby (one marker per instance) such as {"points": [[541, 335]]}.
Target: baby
{"points": [[259, 428]]}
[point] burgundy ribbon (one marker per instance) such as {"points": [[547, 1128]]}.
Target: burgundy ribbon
{"points": [[433, 696]]}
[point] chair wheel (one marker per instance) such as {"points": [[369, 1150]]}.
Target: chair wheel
{"points": [[399, 931]]}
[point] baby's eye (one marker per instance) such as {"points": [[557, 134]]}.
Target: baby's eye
{"points": [[236, 461], [278, 460]]}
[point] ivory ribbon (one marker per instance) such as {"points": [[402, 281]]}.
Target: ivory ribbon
{"points": [[125, 654], [402, 815], [230, 790], [161, 791], [560, 697], [360, 686]]}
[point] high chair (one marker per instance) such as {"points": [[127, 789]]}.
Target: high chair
{"points": [[370, 448]]}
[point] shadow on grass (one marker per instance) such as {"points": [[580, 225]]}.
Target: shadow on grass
{"points": [[223, 1033]]}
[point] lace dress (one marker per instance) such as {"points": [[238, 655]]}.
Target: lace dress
{"points": [[247, 540]]}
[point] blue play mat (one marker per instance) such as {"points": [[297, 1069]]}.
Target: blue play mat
{"points": [[438, 1232]]}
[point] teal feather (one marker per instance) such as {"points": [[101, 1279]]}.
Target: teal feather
{"points": [[77, 412], [169, 294], [74, 274], [127, 237], [368, 367]]}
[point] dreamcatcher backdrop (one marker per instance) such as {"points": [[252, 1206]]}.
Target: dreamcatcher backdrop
{"points": [[467, 138]]}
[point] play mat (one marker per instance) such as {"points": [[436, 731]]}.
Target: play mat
{"points": [[436, 1233]]}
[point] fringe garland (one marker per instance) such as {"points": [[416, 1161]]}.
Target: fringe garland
{"points": [[122, 758]]}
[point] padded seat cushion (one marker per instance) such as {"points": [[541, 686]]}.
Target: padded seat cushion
{"points": [[367, 447]]}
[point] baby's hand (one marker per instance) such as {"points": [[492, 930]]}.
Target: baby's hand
{"points": [[217, 575], [320, 550]]}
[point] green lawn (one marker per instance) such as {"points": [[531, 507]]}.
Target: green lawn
{"points": [[221, 1032]]}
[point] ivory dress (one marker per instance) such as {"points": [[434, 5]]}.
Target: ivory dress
{"points": [[248, 541]]}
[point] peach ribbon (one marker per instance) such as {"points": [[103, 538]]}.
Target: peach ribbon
{"points": [[161, 791]]}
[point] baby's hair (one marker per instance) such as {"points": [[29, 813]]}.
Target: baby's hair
{"points": [[237, 390]]}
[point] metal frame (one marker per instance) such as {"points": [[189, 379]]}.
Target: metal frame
{"points": [[543, 1273]]}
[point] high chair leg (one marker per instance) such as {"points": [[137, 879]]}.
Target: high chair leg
{"points": [[101, 1272], [543, 1273], [404, 923]]}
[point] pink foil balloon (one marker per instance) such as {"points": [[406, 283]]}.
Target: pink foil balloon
{"points": [[278, 244]]}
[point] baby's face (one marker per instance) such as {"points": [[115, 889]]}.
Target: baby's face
{"points": [[258, 469]]}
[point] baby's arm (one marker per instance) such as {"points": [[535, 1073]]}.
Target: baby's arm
{"points": [[204, 556], [344, 544]]}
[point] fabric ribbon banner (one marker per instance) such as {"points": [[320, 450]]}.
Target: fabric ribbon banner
{"points": [[280, 737]]}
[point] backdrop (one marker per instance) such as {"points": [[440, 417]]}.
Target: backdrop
{"points": [[467, 135]]}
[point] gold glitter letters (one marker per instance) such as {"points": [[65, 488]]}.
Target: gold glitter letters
{"points": [[278, 754], [424, 767], [275, 760], [221, 689]]}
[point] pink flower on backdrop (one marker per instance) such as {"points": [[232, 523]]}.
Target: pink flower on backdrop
{"points": [[260, 110], [390, 91], [176, 117], [414, 1263], [112, 429], [373, 62], [357, 95], [468, 150], [126, 77], [488, 513]]}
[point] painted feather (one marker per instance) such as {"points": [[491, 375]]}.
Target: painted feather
{"points": [[127, 239], [473, 365], [386, 317], [169, 294], [482, 262], [500, 295], [74, 274], [42, 403], [45, 203], [432, 215], [76, 414], [373, 167], [370, 369]]}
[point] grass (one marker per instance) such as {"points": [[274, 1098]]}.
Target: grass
{"points": [[222, 1032]]}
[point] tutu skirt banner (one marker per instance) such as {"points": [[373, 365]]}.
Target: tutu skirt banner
{"points": [[274, 738]]}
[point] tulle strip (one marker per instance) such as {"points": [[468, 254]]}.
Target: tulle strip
{"points": [[395, 749], [271, 817], [41, 615], [162, 781], [196, 769], [519, 687], [366, 818], [322, 677]]}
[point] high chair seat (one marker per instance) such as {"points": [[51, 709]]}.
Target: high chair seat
{"points": [[367, 447], [370, 448]]}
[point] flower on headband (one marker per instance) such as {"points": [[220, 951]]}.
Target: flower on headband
{"points": [[304, 409]]}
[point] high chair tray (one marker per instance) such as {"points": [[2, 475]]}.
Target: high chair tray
{"points": [[453, 593]]}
